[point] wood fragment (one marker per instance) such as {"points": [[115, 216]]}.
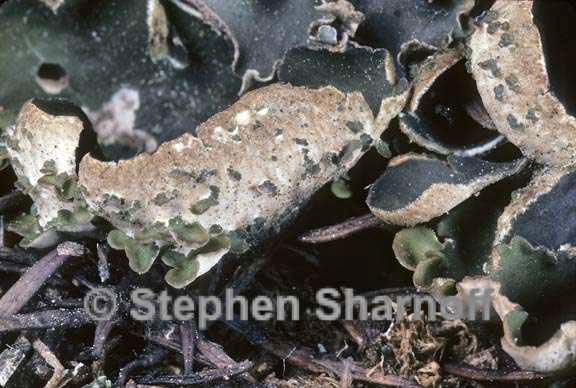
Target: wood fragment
{"points": [[356, 333], [209, 353], [203, 377], [60, 318], [477, 374], [103, 251], [218, 358], [188, 337], [346, 375], [101, 334], [33, 279], [341, 230], [11, 358], [52, 360], [155, 356]]}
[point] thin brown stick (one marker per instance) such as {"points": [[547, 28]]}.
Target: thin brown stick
{"points": [[203, 377], [61, 318], [103, 269], [477, 374], [101, 334], [218, 357], [209, 353], [476, 110], [154, 357], [188, 340], [52, 360], [356, 333], [12, 357], [346, 379], [33, 279], [341, 230], [303, 358]]}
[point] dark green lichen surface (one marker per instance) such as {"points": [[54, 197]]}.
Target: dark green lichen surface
{"points": [[104, 52]]}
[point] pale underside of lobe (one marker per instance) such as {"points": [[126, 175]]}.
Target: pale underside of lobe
{"points": [[254, 163], [510, 68]]}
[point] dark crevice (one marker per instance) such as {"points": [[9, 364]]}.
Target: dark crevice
{"points": [[545, 320], [481, 7], [556, 20], [443, 110]]}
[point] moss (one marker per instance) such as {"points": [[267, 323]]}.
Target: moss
{"points": [[215, 230]]}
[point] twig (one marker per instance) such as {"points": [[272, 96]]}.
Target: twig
{"points": [[346, 375], [203, 377], [218, 358], [103, 270], [209, 353], [356, 333], [476, 110], [52, 360], [155, 356], [101, 334], [188, 335], [477, 374], [12, 357], [303, 358], [341, 230], [33, 279], [61, 318]]}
